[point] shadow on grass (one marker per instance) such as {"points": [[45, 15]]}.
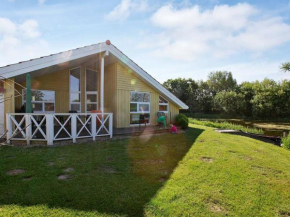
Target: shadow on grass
{"points": [[117, 177]]}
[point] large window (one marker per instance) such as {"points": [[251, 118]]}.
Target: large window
{"points": [[163, 105], [75, 89], [41, 100], [139, 107], [91, 90]]}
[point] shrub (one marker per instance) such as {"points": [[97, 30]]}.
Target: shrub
{"points": [[182, 121], [286, 142]]}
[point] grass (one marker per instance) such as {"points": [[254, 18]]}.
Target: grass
{"points": [[225, 125], [286, 142], [197, 173], [228, 116]]}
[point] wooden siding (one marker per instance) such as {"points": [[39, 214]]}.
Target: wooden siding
{"points": [[58, 81], [9, 104], [128, 81], [110, 90]]}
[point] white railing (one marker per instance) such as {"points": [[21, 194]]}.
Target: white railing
{"points": [[58, 126]]}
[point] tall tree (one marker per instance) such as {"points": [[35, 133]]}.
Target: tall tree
{"points": [[180, 87], [230, 102], [221, 80], [247, 89]]}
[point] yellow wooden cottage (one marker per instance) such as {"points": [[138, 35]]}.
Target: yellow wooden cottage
{"points": [[85, 92]]}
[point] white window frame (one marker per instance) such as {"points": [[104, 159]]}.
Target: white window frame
{"points": [[40, 102], [79, 92], [138, 103], [90, 92], [167, 104]]}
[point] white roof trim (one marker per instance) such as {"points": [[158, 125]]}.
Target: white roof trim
{"points": [[54, 59], [47, 61]]}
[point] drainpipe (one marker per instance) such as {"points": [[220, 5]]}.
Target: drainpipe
{"points": [[102, 79]]}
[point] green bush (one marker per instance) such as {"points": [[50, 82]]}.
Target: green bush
{"points": [[182, 121], [286, 142]]}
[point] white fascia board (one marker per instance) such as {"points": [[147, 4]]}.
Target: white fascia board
{"points": [[145, 76], [54, 59]]}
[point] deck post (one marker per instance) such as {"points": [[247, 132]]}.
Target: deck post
{"points": [[102, 79], [94, 123], [49, 128], [74, 127], [111, 125], [9, 128], [28, 128]]}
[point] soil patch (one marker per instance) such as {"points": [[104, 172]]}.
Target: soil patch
{"points": [[28, 178], [107, 169], [63, 177], [15, 172], [207, 159], [51, 163], [216, 208], [69, 170]]}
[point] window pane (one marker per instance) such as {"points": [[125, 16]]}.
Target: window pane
{"points": [[91, 80], [75, 97], [144, 107], [37, 107], [139, 118], [163, 108], [49, 107], [91, 107], [140, 97], [75, 77], [162, 100], [92, 98], [75, 107], [40, 95], [133, 107]]}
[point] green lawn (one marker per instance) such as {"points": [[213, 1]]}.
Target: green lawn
{"points": [[200, 172]]}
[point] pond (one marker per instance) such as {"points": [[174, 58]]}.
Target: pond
{"points": [[269, 128]]}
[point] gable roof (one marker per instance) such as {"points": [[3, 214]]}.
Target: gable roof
{"points": [[58, 58]]}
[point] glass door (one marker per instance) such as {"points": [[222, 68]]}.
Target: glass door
{"points": [[91, 90]]}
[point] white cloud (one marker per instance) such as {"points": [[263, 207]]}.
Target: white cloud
{"points": [[126, 8], [188, 33], [41, 2], [19, 42], [30, 29]]}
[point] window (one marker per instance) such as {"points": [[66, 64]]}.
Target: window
{"points": [[139, 107], [91, 90], [75, 89], [41, 100], [163, 105]]}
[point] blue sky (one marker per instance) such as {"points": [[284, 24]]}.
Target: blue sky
{"points": [[169, 39]]}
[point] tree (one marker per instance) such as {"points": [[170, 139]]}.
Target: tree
{"points": [[265, 101], [204, 97], [221, 80], [180, 87], [230, 102], [286, 67], [247, 89]]}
